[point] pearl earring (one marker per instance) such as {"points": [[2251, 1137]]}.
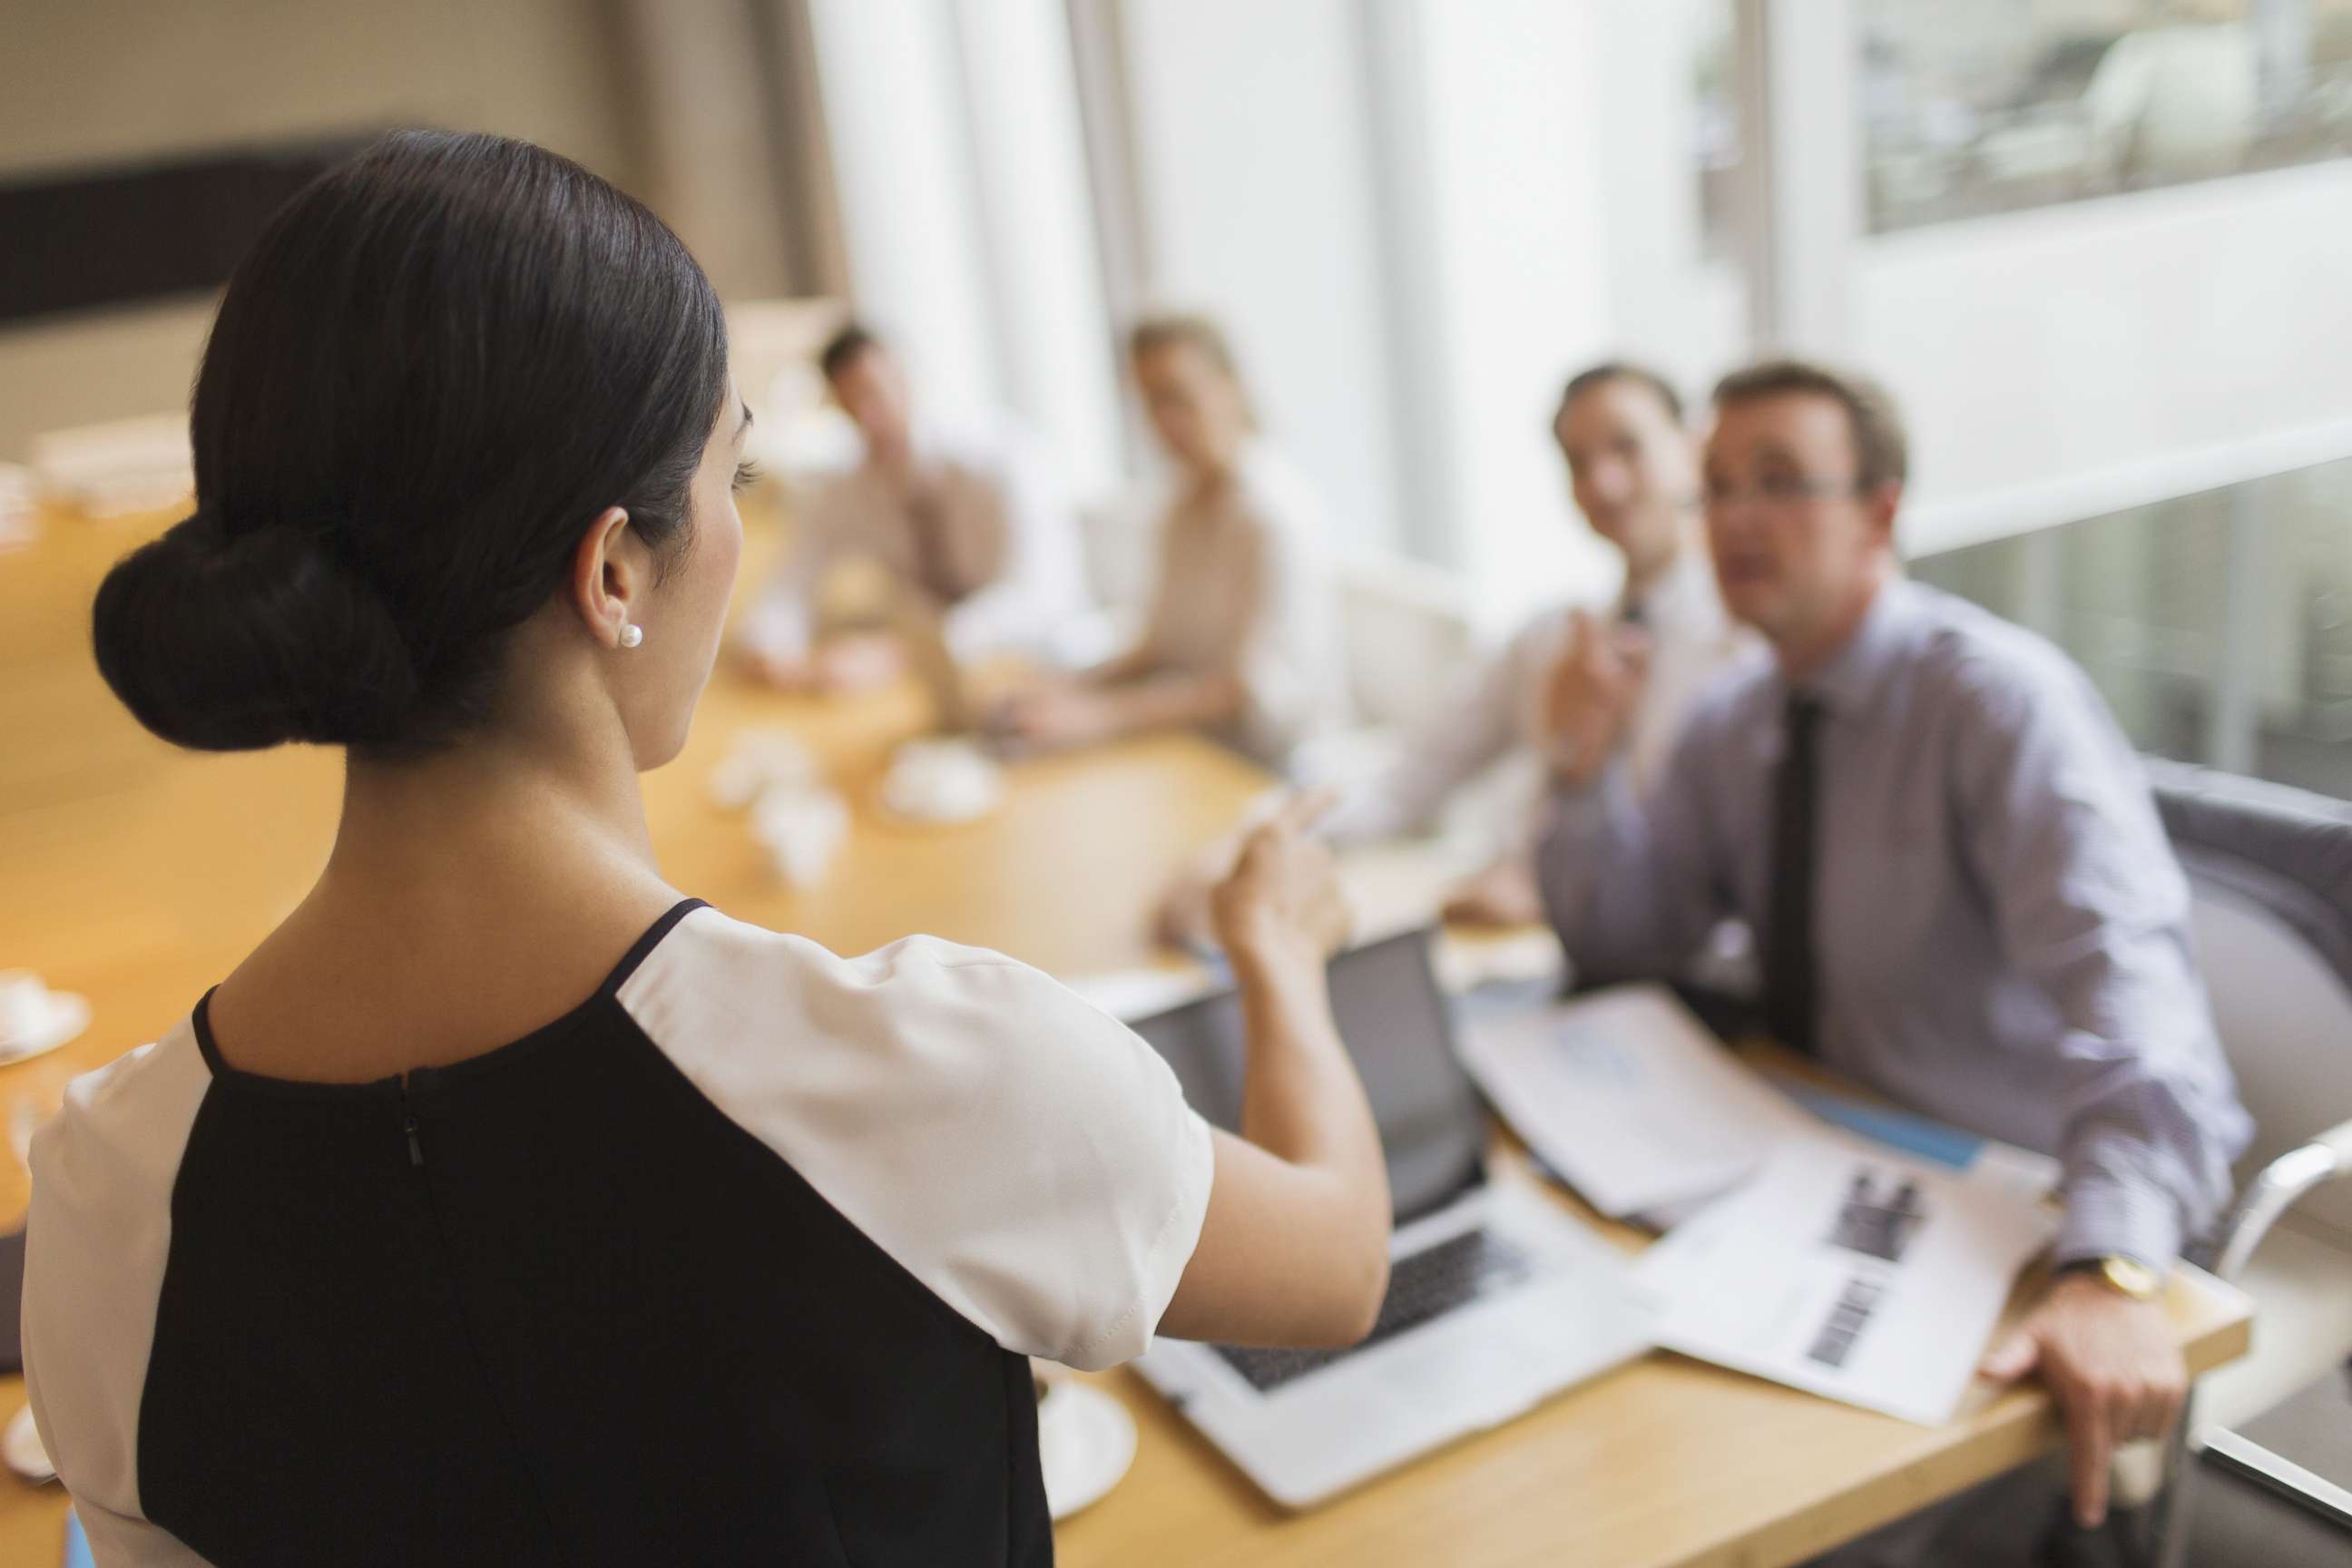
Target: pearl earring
{"points": [[632, 634]]}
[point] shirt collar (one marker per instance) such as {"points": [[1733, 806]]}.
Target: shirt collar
{"points": [[1855, 673], [929, 439], [1683, 596]]}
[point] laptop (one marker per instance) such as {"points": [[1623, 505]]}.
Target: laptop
{"points": [[1496, 1298]]}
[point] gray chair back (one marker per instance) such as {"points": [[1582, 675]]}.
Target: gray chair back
{"points": [[2270, 869]]}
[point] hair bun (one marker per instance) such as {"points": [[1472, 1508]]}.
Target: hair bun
{"points": [[232, 641]]}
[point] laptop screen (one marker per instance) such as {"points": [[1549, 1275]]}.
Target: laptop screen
{"points": [[1395, 1025]]}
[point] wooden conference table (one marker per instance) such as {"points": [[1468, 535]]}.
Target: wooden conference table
{"points": [[138, 876]]}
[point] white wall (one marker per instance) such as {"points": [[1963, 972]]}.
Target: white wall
{"points": [[1565, 207], [1544, 215], [1667, 306], [1254, 157], [1523, 295], [1037, 216], [897, 121], [965, 212], [2106, 336], [88, 82], [95, 80]]}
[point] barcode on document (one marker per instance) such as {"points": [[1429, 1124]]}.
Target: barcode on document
{"points": [[1846, 1322]]}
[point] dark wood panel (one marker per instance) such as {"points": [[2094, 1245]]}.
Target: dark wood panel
{"points": [[119, 235]]}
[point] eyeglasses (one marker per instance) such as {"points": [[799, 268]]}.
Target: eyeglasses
{"points": [[1779, 491]]}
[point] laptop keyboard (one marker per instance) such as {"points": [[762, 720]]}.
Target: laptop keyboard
{"points": [[1426, 1285]]}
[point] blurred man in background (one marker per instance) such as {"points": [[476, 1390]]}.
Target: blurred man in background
{"points": [[1633, 466], [1962, 896], [966, 526]]}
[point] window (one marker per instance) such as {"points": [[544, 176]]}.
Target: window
{"points": [[1998, 105], [2217, 625], [1715, 126]]}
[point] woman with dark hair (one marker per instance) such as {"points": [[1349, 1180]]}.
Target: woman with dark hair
{"points": [[504, 1205]]}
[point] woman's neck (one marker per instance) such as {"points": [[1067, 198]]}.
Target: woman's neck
{"points": [[488, 811], [1213, 471], [469, 898]]}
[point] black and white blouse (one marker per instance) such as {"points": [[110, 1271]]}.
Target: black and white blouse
{"points": [[739, 1261]]}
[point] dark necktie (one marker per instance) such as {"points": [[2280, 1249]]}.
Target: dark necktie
{"points": [[1790, 972]]}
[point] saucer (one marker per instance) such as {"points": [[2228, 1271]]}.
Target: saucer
{"points": [[1085, 1441], [941, 781], [803, 827], [68, 1016], [21, 1450], [762, 757]]}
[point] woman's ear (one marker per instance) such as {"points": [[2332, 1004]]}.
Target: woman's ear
{"points": [[609, 578]]}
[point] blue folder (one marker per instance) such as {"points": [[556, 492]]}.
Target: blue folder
{"points": [[77, 1543]]}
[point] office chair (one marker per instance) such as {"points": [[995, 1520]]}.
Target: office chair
{"points": [[2271, 874]]}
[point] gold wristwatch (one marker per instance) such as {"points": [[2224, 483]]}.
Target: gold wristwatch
{"points": [[2124, 1276]]}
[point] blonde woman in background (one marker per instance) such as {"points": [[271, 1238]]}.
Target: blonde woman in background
{"points": [[1239, 639]]}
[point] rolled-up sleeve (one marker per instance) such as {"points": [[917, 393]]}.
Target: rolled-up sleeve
{"points": [[2090, 903], [1452, 746], [1024, 1155]]}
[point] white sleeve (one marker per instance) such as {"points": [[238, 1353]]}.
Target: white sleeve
{"points": [[1454, 744], [1290, 657], [97, 1244], [1024, 1155]]}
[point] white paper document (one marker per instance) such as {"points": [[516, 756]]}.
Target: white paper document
{"points": [[1850, 1271], [1630, 1099]]}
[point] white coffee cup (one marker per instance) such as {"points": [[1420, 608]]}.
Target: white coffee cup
{"points": [[942, 781], [21, 1450], [33, 1018], [28, 1011], [760, 759], [804, 829], [1085, 1441]]}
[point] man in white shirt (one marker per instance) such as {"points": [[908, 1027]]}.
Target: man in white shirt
{"points": [[967, 525], [1633, 467]]}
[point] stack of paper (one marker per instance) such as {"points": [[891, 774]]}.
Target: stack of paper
{"points": [[1849, 1271], [1630, 1099], [1814, 1238]]}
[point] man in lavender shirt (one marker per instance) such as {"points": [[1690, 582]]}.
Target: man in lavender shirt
{"points": [[1961, 893]]}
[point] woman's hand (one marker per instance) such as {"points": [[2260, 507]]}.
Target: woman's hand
{"points": [[1295, 1248], [1057, 718], [1503, 895], [1590, 699], [1282, 901]]}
